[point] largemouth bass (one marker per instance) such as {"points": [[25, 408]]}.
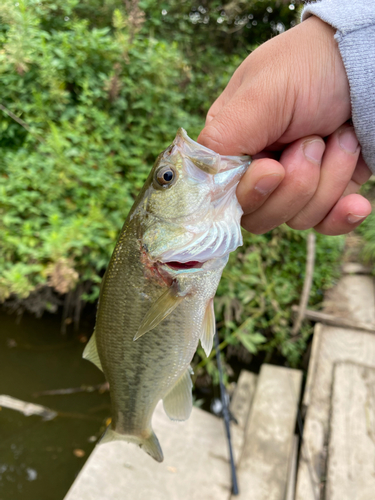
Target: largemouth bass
{"points": [[156, 299]]}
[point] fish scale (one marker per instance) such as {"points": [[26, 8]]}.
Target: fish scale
{"points": [[151, 315]]}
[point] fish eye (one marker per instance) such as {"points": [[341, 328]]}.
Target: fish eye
{"points": [[165, 176]]}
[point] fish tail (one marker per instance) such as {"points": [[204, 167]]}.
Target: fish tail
{"points": [[149, 444], [152, 446]]}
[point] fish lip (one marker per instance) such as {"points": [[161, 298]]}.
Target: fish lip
{"points": [[183, 136]]}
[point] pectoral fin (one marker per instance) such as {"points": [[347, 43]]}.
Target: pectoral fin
{"points": [[165, 304], [91, 352], [208, 329], [178, 402]]}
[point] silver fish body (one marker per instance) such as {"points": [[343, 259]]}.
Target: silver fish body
{"points": [[156, 299]]}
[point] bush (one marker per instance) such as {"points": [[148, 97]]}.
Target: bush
{"points": [[98, 106], [367, 231], [91, 92]]}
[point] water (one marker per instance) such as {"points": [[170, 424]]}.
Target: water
{"points": [[39, 459]]}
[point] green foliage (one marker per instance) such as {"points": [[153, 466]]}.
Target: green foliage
{"points": [[367, 228], [261, 282], [367, 231], [99, 104], [91, 92]]}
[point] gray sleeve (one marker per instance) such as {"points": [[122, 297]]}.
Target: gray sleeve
{"points": [[354, 21]]}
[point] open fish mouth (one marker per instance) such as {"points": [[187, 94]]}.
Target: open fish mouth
{"points": [[179, 266]]}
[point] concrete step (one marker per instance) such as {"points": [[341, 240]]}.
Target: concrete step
{"points": [[196, 464]]}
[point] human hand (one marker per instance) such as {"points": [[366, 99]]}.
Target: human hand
{"points": [[284, 98]]}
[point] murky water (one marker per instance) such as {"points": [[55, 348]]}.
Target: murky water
{"points": [[39, 459]]}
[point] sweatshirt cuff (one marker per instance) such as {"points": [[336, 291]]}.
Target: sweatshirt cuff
{"points": [[355, 24]]}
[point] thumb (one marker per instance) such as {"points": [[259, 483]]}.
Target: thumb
{"points": [[285, 85], [255, 116]]}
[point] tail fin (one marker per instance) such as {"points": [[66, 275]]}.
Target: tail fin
{"points": [[149, 444]]}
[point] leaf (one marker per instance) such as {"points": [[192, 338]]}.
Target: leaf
{"points": [[248, 343]]}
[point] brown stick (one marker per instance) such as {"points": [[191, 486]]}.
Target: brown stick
{"points": [[32, 409], [330, 319], [27, 408], [310, 261], [73, 390], [15, 117], [18, 120]]}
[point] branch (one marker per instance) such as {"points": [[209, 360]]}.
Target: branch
{"points": [[310, 261], [73, 390], [19, 121], [32, 409], [27, 408], [330, 319]]}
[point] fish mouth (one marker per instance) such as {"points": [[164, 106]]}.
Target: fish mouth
{"points": [[178, 266]]}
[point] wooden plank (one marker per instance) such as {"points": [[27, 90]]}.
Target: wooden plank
{"points": [[312, 365], [336, 344], [351, 452], [292, 473], [263, 467], [240, 405], [352, 298], [196, 464], [356, 268]]}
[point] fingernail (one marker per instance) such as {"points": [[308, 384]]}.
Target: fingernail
{"points": [[268, 183], [348, 140], [354, 219], [314, 150]]}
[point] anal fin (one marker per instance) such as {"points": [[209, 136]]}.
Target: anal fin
{"points": [[159, 310], [178, 403], [91, 352], [208, 328]]}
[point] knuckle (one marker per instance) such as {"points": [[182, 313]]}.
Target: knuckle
{"points": [[306, 218], [254, 228], [305, 187], [299, 223]]}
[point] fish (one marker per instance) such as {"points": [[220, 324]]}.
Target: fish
{"points": [[156, 297]]}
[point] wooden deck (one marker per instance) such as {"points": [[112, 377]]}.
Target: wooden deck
{"points": [[334, 461], [336, 434]]}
